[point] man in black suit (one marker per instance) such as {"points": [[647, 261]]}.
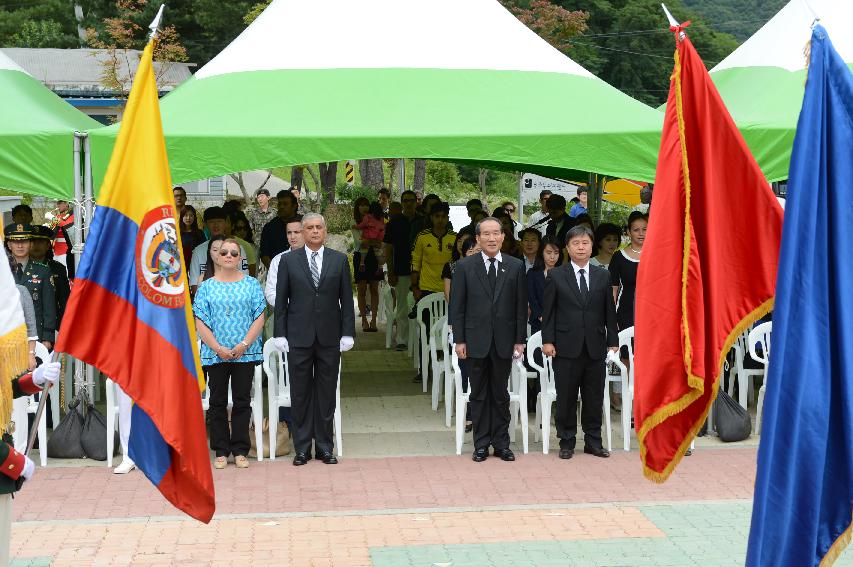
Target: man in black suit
{"points": [[488, 307], [578, 327], [561, 222], [314, 324]]}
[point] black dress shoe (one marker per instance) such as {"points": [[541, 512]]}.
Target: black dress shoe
{"points": [[328, 458], [417, 379], [597, 452], [505, 454], [480, 455], [301, 459], [567, 453]]}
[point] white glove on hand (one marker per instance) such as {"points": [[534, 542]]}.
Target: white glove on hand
{"points": [[29, 468], [281, 344], [48, 372], [346, 343], [612, 356]]}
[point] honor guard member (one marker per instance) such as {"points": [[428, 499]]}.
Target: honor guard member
{"points": [[40, 251], [37, 278]]}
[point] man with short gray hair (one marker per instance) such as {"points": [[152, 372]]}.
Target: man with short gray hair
{"points": [[488, 312], [314, 324]]}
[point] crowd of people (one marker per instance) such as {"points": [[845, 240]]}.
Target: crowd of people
{"points": [[559, 275]]}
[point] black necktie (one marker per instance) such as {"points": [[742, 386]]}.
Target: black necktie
{"points": [[583, 286], [19, 273], [493, 273]]}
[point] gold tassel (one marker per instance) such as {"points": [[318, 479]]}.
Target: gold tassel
{"points": [[14, 357]]}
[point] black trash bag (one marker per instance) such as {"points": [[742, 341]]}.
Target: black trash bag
{"points": [[731, 420], [94, 437], [64, 443]]}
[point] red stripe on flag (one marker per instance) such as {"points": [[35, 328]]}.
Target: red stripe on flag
{"points": [[157, 381]]}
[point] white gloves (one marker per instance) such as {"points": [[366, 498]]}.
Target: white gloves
{"points": [[29, 468], [346, 343], [281, 344], [612, 356], [48, 372]]}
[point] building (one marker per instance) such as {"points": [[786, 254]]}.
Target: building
{"points": [[76, 75]]}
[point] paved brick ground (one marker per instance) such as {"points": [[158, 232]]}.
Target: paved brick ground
{"points": [[416, 504]]}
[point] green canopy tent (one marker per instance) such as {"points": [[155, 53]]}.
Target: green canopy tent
{"points": [[435, 79], [36, 135], [762, 82]]}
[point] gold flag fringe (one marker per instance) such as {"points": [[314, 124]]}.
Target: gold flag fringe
{"points": [[14, 357]]}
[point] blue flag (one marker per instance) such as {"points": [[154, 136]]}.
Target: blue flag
{"points": [[804, 486]]}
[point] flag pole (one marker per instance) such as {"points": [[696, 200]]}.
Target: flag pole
{"points": [[673, 23], [155, 25]]}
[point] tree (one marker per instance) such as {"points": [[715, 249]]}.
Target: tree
{"points": [[552, 22], [420, 175], [42, 33], [629, 45], [123, 34], [329, 180], [372, 174], [297, 176]]}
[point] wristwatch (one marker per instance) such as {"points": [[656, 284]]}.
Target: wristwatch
{"points": [[244, 344]]}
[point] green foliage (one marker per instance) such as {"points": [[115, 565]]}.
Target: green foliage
{"points": [[42, 33], [347, 194], [629, 45], [255, 11], [740, 18], [339, 218], [441, 175]]}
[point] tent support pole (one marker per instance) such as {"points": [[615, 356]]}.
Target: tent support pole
{"points": [[520, 208], [89, 205], [402, 183], [76, 367]]}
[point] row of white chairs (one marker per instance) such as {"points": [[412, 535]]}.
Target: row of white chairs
{"points": [[756, 343]]}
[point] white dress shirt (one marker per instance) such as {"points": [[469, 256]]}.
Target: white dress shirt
{"points": [[272, 278], [577, 270], [309, 252], [486, 262]]}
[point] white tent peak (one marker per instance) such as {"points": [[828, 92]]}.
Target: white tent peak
{"points": [[382, 34], [781, 41], [6, 64]]}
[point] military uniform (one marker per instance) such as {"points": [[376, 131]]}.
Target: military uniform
{"points": [[60, 274], [38, 279]]}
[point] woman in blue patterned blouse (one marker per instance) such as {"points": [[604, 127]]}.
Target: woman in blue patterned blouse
{"points": [[229, 311]]}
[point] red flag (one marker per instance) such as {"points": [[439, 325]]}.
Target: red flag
{"points": [[709, 264]]}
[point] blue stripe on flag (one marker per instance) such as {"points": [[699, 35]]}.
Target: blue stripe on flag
{"points": [[146, 446]]}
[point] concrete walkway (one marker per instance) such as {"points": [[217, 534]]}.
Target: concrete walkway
{"points": [[401, 497]]}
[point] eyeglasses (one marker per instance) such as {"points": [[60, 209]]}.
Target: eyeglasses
{"points": [[234, 253], [510, 210]]}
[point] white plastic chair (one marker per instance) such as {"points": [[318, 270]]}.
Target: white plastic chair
{"points": [[278, 392], [387, 310], [438, 344], [461, 401], [745, 376], [626, 378], [257, 405], [760, 335], [436, 306], [547, 391], [518, 402]]}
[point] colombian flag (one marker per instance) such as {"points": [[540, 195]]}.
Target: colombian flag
{"points": [[709, 264], [130, 315]]}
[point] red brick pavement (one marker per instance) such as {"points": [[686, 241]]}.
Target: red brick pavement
{"points": [[394, 483]]}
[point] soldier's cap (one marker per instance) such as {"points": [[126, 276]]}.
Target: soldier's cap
{"points": [[17, 231], [41, 231], [262, 192]]}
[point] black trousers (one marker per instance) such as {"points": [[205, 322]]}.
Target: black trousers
{"points": [[489, 400], [241, 375], [586, 375], [313, 385]]}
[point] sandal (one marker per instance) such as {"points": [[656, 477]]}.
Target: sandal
{"points": [[373, 328], [220, 462], [364, 325], [241, 462]]}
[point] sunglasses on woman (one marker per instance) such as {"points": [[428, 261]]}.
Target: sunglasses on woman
{"points": [[234, 253]]}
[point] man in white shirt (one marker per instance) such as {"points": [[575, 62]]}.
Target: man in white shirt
{"points": [[216, 220], [293, 229], [536, 217]]}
